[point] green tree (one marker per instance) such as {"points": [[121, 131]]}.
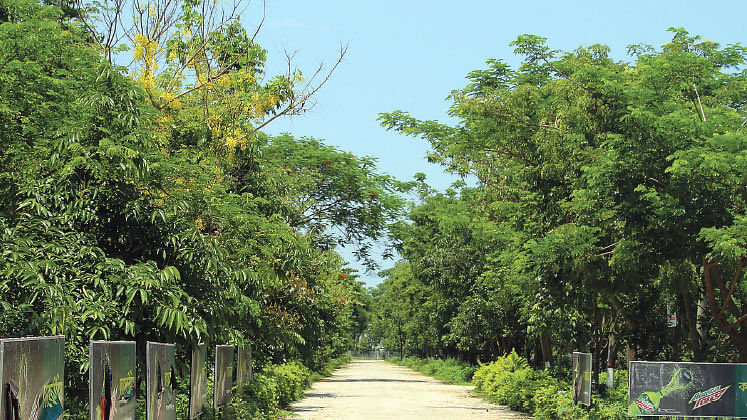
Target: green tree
{"points": [[337, 197], [603, 182]]}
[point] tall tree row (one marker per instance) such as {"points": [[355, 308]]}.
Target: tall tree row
{"points": [[142, 201], [606, 191]]}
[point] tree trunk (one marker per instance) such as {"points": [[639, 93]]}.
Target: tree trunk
{"points": [[595, 362], [693, 326], [596, 337], [699, 315], [546, 350], [611, 360], [401, 344], [713, 280], [629, 354]]}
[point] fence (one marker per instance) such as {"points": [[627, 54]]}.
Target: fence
{"points": [[371, 354]]}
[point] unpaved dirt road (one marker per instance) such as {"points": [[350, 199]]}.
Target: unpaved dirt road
{"points": [[375, 389]]}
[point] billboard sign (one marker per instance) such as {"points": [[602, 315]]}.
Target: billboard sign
{"points": [[687, 389], [198, 381], [224, 366], [32, 372], [244, 365], [161, 381], [111, 374], [582, 378]]}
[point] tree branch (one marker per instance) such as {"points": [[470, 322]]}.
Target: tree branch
{"points": [[702, 114], [728, 296], [511, 155], [293, 106]]}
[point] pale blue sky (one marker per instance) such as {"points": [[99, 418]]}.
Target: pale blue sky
{"points": [[409, 55]]}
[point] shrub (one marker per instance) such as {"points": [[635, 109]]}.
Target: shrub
{"points": [[510, 381], [447, 370], [291, 380], [273, 388], [263, 393]]}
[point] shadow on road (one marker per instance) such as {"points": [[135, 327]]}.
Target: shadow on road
{"points": [[369, 380]]}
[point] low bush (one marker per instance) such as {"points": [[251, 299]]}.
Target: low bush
{"points": [[448, 370], [511, 381], [291, 379], [329, 367], [274, 388]]}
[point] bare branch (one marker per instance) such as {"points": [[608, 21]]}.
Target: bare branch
{"points": [[612, 245], [743, 123], [735, 323], [298, 103], [702, 114], [262, 22]]}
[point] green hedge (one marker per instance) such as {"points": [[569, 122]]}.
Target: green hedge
{"points": [[511, 381], [449, 370], [274, 388]]}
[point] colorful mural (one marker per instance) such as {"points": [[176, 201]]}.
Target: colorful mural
{"points": [[32, 372], [687, 389], [111, 374], [161, 381]]}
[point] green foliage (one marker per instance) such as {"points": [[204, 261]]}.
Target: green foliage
{"points": [[332, 191], [510, 381], [275, 387], [125, 219], [330, 366], [449, 370], [291, 379], [603, 189]]}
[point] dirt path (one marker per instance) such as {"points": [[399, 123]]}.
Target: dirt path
{"points": [[374, 389]]}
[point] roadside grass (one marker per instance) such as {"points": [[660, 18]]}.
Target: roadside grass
{"points": [[330, 367], [548, 394], [543, 394], [449, 370], [274, 388]]}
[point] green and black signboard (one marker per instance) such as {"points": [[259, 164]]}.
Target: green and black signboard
{"points": [[687, 389]]}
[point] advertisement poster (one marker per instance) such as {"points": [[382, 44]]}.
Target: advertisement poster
{"points": [[687, 389], [582, 378], [161, 381], [244, 365], [32, 372], [111, 375], [198, 381], [223, 375]]}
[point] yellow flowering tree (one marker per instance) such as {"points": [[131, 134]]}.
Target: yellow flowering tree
{"points": [[195, 57]]}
